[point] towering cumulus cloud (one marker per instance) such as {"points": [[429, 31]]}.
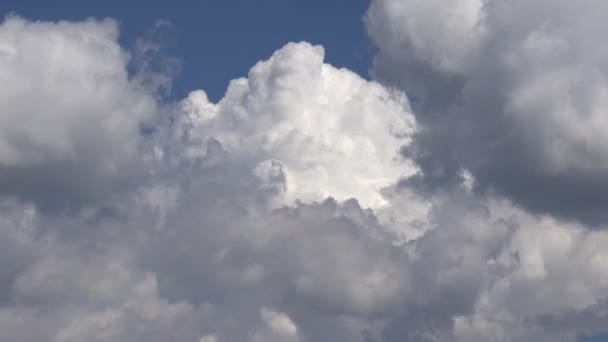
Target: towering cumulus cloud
{"points": [[307, 124], [308, 204]]}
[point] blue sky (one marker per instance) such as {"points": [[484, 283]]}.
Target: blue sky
{"points": [[219, 40]]}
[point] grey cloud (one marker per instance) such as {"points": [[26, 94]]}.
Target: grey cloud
{"points": [[512, 91], [592, 320]]}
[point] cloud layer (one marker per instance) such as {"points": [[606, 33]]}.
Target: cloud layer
{"points": [[287, 211]]}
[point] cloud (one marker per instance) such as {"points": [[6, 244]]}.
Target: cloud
{"points": [[283, 212], [310, 122], [70, 116], [511, 91], [277, 327], [592, 318]]}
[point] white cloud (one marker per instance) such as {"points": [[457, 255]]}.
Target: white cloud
{"points": [[331, 132], [277, 327], [69, 116]]}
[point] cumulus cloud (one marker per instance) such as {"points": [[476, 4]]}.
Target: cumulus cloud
{"points": [[307, 124], [283, 212], [513, 91], [70, 116]]}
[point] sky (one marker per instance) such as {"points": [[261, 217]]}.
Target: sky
{"points": [[294, 171], [217, 40]]}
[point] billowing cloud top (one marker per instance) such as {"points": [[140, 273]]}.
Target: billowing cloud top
{"points": [[308, 204], [313, 130]]}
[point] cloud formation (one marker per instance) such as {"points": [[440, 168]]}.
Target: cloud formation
{"points": [[512, 91], [69, 129], [307, 124], [284, 212]]}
